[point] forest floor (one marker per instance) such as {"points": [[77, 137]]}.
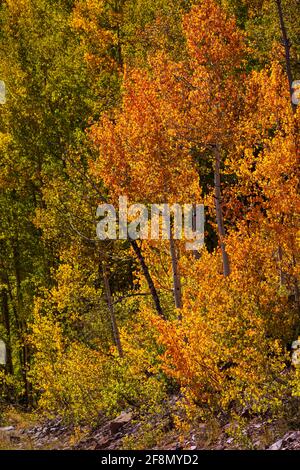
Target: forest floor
{"points": [[24, 431]]}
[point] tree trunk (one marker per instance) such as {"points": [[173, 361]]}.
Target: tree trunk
{"points": [[22, 324], [27, 385], [194, 227], [176, 274], [281, 273], [113, 321], [287, 47], [219, 214], [148, 277], [6, 321]]}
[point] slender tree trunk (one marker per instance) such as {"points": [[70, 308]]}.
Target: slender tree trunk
{"points": [[287, 49], [219, 214], [119, 11], [28, 388], [148, 278], [6, 321], [194, 227], [113, 321], [281, 273], [25, 351], [295, 281], [176, 274]]}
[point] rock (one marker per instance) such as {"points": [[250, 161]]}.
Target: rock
{"points": [[103, 443], [276, 446], [257, 444], [14, 438], [179, 446], [257, 426], [290, 441], [7, 429], [118, 423]]}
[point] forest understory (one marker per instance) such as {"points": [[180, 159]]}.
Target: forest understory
{"points": [[21, 430]]}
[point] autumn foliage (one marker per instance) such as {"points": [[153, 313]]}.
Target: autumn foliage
{"points": [[95, 326]]}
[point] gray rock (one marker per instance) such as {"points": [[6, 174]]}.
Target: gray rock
{"points": [[276, 446], [7, 428], [118, 423], [290, 441]]}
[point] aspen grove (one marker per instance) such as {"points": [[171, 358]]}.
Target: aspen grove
{"points": [[158, 101]]}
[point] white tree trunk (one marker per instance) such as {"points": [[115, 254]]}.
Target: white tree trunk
{"points": [[219, 214]]}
